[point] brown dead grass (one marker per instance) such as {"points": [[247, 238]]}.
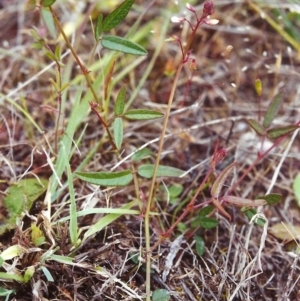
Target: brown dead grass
{"points": [[219, 98]]}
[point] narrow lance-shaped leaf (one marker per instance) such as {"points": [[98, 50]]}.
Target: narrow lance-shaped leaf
{"points": [[106, 220], [117, 15], [58, 52], [281, 131], [120, 101], [140, 114], [147, 171], [218, 184], [51, 55], [122, 45], [47, 274], [241, 202], [272, 110], [9, 277], [258, 128], [49, 22], [119, 178], [98, 27], [118, 132]]}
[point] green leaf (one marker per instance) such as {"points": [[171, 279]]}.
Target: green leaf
{"points": [[296, 188], [8, 277], [4, 292], [57, 52], [281, 131], [135, 258], [61, 259], [250, 212], [117, 15], [182, 227], [219, 182], [122, 45], [272, 110], [140, 114], [98, 27], [120, 101], [175, 190], [147, 171], [12, 252], [272, 198], [47, 274], [206, 210], [119, 178], [19, 197], [208, 222], [200, 245], [28, 274], [47, 3], [37, 235], [49, 22], [142, 154], [259, 129], [118, 132], [51, 55], [161, 295]]}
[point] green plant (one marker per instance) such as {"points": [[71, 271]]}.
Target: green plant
{"points": [[127, 187], [31, 189], [19, 198]]}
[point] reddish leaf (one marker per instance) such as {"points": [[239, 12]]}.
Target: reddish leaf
{"points": [[244, 202]]}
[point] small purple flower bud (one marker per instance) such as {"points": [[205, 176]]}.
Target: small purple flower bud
{"points": [[208, 8]]}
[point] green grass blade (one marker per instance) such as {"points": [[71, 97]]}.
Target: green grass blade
{"points": [[106, 220], [73, 227]]}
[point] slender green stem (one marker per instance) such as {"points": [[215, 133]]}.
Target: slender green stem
{"points": [[150, 197], [160, 147]]}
